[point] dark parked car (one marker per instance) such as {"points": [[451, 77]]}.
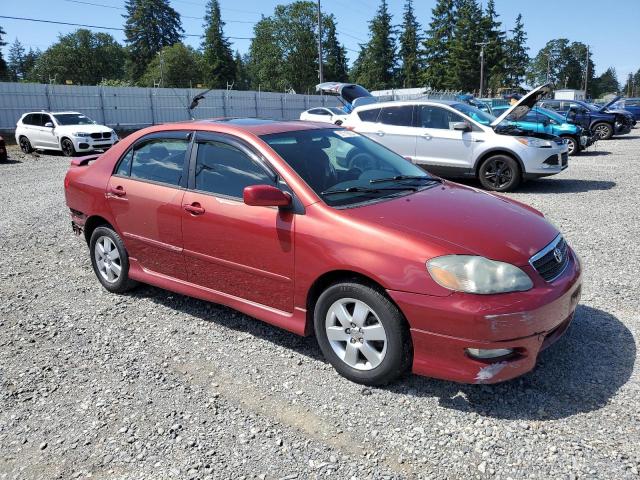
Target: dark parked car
{"points": [[631, 105], [602, 121], [3, 150]]}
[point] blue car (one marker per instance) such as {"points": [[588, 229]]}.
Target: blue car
{"points": [[540, 119], [631, 105], [602, 121]]}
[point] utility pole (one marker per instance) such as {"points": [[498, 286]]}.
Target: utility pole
{"points": [[548, 66], [319, 43], [482, 45], [630, 86], [586, 73]]}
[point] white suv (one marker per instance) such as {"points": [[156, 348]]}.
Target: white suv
{"points": [[454, 139], [68, 132]]}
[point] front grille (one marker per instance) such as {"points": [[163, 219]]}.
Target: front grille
{"points": [[101, 135], [551, 261], [106, 134]]}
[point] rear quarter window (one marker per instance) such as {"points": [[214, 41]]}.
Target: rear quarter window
{"points": [[369, 115]]}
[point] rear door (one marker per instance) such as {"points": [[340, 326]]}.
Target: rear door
{"points": [[394, 129], [439, 145], [239, 250], [145, 195]]}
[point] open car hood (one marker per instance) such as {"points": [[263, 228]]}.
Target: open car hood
{"points": [[606, 106], [351, 94], [526, 103]]}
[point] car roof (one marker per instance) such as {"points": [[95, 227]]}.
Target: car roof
{"points": [[53, 113], [254, 126], [401, 103]]}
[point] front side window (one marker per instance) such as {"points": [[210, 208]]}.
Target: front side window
{"points": [[437, 117], [398, 116], [45, 119], [73, 119], [223, 169], [476, 114], [159, 160], [345, 168]]}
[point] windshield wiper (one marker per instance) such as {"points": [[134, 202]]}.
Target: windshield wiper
{"points": [[406, 177], [366, 190]]}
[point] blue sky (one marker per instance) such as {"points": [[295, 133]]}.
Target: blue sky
{"points": [[612, 32]]}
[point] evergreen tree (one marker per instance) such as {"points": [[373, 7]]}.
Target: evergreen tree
{"points": [[464, 71], [16, 61], [219, 67], [409, 47], [563, 64], [494, 53], [242, 80], [607, 83], [150, 26], [29, 62], [377, 59], [177, 66], [4, 73], [437, 46], [265, 66], [636, 82], [517, 57], [335, 66]]}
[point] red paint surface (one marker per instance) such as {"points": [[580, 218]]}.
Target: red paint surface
{"points": [[263, 261]]}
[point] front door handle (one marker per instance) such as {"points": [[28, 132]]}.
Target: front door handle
{"points": [[118, 191], [194, 208], [380, 133], [426, 136]]}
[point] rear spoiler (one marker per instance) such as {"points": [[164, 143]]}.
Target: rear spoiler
{"points": [[83, 161]]}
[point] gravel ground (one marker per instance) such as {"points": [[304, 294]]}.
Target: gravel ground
{"points": [[153, 385]]}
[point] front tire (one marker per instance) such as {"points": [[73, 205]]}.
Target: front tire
{"points": [[573, 144], [604, 131], [25, 145], [110, 260], [362, 334], [499, 174], [68, 150]]}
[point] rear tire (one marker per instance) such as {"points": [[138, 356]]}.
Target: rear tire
{"points": [[110, 260], [499, 173], [370, 342], [25, 145], [604, 131]]}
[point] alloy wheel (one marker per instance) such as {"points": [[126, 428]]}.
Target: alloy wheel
{"points": [[108, 259], [67, 147], [602, 131], [571, 143], [25, 145], [356, 334], [498, 173]]}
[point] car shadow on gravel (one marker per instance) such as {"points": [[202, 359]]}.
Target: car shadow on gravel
{"points": [[560, 185], [590, 153], [9, 161], [579, 374]]}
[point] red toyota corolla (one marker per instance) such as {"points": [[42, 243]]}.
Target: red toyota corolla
{"points": [[318, 229]]}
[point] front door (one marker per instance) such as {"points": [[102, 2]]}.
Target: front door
{"points": [[439, 146], [145, 195], [239, 250], [394, 129]]}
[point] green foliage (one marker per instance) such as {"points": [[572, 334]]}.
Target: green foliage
{"points": [[409, 52], [494, 53], [437, 46], [242, 80], [219, 68], [29, 63], [16, 61], [150, 26], [564, 63], [177, 66], [83, 57], [516, 56], [334, 63], [606, 84], [4, 71], [115, 83], [464, 65], [375, 65]]}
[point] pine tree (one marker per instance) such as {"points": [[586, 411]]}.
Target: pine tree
{"points": [[4, 73], [265, 66], [150, 26], [409, 47], [437, 45], [495, 50], [517, 57], [335, 66], [377, 59], [29, 62], [219, 67], [178, 66], [16, 61], [242, 80], [464, 71]]}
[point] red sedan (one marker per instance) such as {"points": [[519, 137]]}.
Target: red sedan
{"points": [[317, 229]]}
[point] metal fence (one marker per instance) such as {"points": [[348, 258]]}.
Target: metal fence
{"points": [[130, 108]]}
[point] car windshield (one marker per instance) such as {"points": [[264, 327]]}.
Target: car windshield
{"points": [[345, 168], [551, 114], [474, 113], [336, 111], [73, 119]]}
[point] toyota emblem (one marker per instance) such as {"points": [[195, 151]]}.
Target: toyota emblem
{"points": [[557, 254]]}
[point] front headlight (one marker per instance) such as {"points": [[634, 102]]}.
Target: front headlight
{"points": [[474, 274], [81, 134], [534, 142]]}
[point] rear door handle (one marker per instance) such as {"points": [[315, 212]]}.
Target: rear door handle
{"points": [[118, 191], [194, 208]]}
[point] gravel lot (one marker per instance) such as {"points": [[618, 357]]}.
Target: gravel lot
{"points": [[154, 385]]}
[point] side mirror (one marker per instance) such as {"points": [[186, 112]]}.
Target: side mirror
{"points": [[48, 125], [265, 196], [462, 126]]}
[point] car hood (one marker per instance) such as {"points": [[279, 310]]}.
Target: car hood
{"points": [[607, 105], [462, 220], [350, 94], [526, 103], [93, 128]]}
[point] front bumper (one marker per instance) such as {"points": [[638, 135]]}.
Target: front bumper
{"points": [[442, 328], [548, 162], [621, 128], [86, 144]]}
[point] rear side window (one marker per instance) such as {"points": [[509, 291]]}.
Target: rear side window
{"points": [[225, 170], [159, 160], [29, 119], [632, 103], [370, 115], [399, 116]]}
